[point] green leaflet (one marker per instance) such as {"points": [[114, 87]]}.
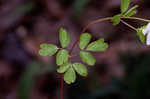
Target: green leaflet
{"points": [[64, 38], [87, 58], [116, 19], [62, 57], [140, 34], [80, 69], [48, 49], [70, 76], [84, 40], [124, 5], [131, 11], [64, 67], [98, 45]]}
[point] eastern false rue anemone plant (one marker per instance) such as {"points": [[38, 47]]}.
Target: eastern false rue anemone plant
{"points": [[63, 56]]}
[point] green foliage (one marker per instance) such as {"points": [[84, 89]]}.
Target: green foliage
{"points": [[84, 40], [98, 45], [63, 68], [116, 19], [70, 75], [64, 38], [62, 57], [124, 13], [48, 49], [140, 34], [87, 58], [80, 69], [124, 5], [131, 11]]}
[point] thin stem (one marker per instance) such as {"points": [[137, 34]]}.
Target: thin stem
{"points": [[128, 25], [106, 19], [94, 22], [62, 87], [84, 30], [86, 27], [74, 44], [136, 18]]}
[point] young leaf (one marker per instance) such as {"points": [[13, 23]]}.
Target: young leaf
{"points": [[64, 38], [48, 49], [116, 19], [62, 57], [87, 58], [98, 45], [70, 76], [140, 34], [64, 67], [124, 5], [80, 69], [131, 11], [84, 40]]}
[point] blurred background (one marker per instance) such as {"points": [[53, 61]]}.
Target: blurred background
{"points": [[122, 72]]}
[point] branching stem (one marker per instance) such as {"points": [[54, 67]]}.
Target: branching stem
{"points": [[85, 29], [106, 19]]}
